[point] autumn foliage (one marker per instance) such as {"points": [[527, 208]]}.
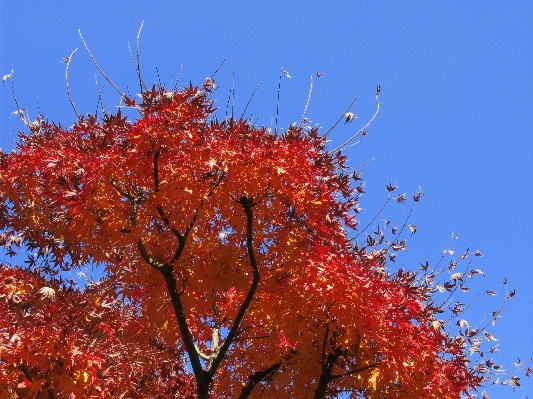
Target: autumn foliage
{"points": [[230, 270]]}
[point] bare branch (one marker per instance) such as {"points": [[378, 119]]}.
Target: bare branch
{"points": [[341, 118], [216, 70], [277, 105], [19, 110], [343, 145], [374, 218], [307, 103], [178, 79], [67, 61], [100, 101], [233, 96], [141, 83], [98, 66], [250, 100]]}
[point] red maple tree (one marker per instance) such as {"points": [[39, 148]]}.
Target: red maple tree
{"points": [[230, 267]]}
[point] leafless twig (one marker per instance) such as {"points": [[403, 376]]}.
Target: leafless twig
{"points": [[216, 70], [277, 105], [341, 118], [67, 61], [141, 83], [20, 111], [98, 66], [248, 103], [307, 103], [363, 129]]}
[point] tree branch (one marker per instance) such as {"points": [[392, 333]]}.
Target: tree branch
{"points": [[98, 66], [352, 372], [201, 354], [203, 379], [256, 378], [247, 204], [148, 259], [159, 207], [343, 146], [67, 60]]}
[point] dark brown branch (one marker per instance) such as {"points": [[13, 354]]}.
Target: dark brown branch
{"points": [[325, 344], [148, 259], [125, 194], [159, 207], [352, 372], [256, 378], [325, 376], [247, 204], [203, 379]]}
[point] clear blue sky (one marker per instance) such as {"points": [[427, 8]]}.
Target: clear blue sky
{"points": [[456, 117]]}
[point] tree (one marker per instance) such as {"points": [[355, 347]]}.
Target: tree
{"points": [[230, 266], [59, 340]]}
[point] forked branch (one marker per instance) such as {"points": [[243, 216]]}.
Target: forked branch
{"points": [[247, 204]]}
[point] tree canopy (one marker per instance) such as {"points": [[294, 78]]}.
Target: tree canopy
{"points": [[230, 266]]}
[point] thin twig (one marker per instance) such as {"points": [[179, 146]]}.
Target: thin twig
{"points": [[397, 236], [67, 60], [343, 145], [135, 65], [13, 91], [158, 77], [98, 66], [232, 95], [100, 101], [227, 104], [363, 165], [341, 118], [375, 216], [250, 100], [178, 79], [307, 103], [216, 70], [141, 83], [19, 110], [277, 105]]}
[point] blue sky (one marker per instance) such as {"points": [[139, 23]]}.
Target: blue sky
{"points": [[456, 104]]}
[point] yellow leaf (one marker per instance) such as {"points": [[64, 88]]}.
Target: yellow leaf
{"points": [[373, 378]]}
